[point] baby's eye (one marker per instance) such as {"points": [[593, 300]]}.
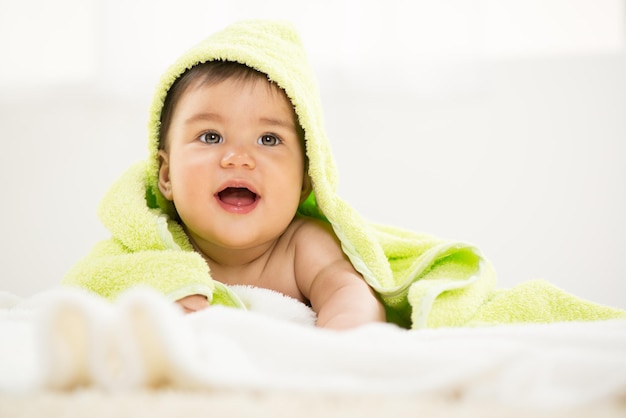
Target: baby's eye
{"points": [[211, 138], [269, 140]]}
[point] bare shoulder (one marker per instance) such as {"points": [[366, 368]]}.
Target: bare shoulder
{"points": [[327, 279], [318, 255], [313, 232]]}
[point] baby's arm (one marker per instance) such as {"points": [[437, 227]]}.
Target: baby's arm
{"points": [[337, 292]]}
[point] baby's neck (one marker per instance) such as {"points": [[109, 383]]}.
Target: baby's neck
{"points": [[226, 262], [270, 265]]}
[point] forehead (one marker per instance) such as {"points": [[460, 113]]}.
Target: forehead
{"points": [[216, 72], [256, 95], [212, 73]]}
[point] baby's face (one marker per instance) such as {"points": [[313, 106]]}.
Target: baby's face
{"points": [[234, 164]]}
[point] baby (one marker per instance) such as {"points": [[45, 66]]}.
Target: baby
{"points": [[225, 197], [232, 162], [240, 188]]}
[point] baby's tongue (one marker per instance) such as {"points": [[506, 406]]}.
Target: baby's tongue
{"points": [[236, 196]]}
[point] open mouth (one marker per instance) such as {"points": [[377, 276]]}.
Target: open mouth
{"points": [[238, 197]]}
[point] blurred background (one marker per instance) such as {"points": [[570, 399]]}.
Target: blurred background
{"points": [[497, 122]]}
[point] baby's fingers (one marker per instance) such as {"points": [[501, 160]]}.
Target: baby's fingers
{"points": [[193, 303]]}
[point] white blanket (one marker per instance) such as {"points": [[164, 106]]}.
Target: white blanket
{"points": [[64, 339]]}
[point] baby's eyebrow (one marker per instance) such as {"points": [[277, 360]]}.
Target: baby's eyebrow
{"points": [[277, 122], [205, 116]]}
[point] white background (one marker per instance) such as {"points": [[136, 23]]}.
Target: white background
{"points": [[498, 122]]}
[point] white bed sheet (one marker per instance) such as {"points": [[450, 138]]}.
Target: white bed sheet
{"points": [[63, 340]]}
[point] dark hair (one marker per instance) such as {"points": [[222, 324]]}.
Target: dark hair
{"points": [[208, 73]]}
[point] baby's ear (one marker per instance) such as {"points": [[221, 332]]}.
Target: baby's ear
{"points": [[306, 187], [165, 185]]}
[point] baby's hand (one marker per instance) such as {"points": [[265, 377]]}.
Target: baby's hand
{"points": [[193, 303]]}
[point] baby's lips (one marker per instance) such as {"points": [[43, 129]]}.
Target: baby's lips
{"points": [[237, 196], [237, 184]]}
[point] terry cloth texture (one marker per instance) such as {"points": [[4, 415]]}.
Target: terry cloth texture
{"points": [[423, 281]]}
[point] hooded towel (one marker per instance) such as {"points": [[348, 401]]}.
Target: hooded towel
{"points": [[422, 280]]}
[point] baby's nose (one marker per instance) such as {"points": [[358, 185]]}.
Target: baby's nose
{"points": [[238, 157]]}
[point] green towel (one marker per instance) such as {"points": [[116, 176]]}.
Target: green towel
{"points": [[423, 281]]}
